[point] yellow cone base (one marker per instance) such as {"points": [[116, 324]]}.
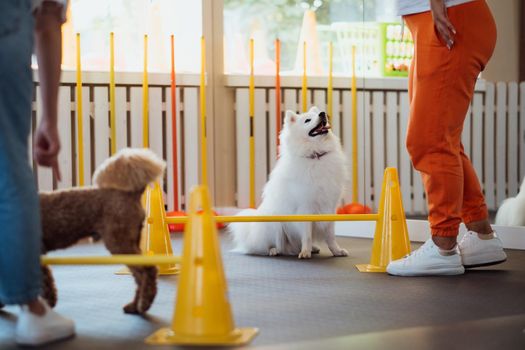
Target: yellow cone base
{"points": [[162, 271], [166, 336], [370, 268], [391, 240]]}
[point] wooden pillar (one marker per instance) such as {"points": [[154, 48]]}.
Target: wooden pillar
{"points": [[220, 108]]}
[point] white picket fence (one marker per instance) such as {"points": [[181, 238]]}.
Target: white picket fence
{"points": [[129, 126], [493, 137], [494, 134]]}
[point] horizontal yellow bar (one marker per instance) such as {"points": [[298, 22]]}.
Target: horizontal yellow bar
{"points": [[283, 218], [123, 259]]}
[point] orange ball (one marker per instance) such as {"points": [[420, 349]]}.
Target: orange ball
{"points": [[354, 208]]}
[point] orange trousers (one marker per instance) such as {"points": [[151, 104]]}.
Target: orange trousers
{"points": [[441, 85]]}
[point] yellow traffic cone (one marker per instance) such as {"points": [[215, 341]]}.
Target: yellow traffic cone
{"points": [[202, 311], [391, 235], [155, 237]]}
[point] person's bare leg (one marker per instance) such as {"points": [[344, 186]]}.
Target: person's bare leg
{"points": [[36, 307], [445, 243], [482, 228]]}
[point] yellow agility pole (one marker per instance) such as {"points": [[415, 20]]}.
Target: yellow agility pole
{"points": [[303, 90], [119, 259], [284, 218], [330, 83], [203, 113], [354, 207], [354, 131], [112, 117], [145, 97], [80, 123], [252, 141]]}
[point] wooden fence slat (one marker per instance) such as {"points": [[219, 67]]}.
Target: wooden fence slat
{"points": [[336, 111], [365, 159], [87, 120], [121, 117], [405, 166], [346, 135], [101, 116], [477, 135], [290, 101], [156, 133], [377, 150], [501, 142], [135, 105], [191, 140], [260, 140], [419, 193], [272, 141], [320, 100], [489, 147], [512, 140], [393, 143], [65, 157], [45, 175], [466, 134], [242, 123]]}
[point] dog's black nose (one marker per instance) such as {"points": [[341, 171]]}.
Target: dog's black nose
{"points": [[323, 117]]}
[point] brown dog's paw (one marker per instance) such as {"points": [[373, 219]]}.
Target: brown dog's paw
{"points": [[131, 308], [144, 305]]}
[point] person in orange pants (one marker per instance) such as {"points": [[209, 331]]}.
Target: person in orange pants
{"points": [[453, 42]]}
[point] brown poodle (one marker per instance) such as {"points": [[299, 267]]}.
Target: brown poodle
{"points": [[110, 210]]}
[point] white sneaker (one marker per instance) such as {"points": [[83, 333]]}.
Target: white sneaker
{"points": [[477, 252], [428, 260], [33, 330]]}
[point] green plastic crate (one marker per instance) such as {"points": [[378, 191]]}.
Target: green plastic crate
{"points": [[397, 50]]}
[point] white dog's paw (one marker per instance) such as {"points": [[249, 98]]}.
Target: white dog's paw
{"points": [[315, 250], [340, 252], [273, 251], [305, 254]]}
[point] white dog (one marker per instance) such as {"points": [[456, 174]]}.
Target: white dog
{"points": [[307, 179], [512, 211]]}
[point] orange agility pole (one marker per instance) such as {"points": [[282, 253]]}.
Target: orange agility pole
{"points": [[176, 209]]}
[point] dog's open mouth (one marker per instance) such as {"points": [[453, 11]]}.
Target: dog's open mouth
{"points": [[321, 129]]}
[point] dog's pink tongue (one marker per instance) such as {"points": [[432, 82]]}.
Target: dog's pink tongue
{"points": [[326, 127]]}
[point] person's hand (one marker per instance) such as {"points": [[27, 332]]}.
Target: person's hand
{"points": [[46, 146], [443, 25]]}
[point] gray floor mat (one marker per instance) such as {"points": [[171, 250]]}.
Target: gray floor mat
{"points": [[290, 300]]}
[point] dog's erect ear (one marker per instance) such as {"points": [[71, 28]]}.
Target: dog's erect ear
{"points": [[290, 117], [314, 110]]}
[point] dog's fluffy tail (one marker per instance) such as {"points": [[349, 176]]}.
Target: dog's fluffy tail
{"points": [[130, 170], [253, 237]]}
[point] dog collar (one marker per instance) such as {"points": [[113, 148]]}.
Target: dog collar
{"points": [[316, 155]]}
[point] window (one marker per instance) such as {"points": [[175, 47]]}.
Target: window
{"points": [[318, 22], [130, 20]]}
